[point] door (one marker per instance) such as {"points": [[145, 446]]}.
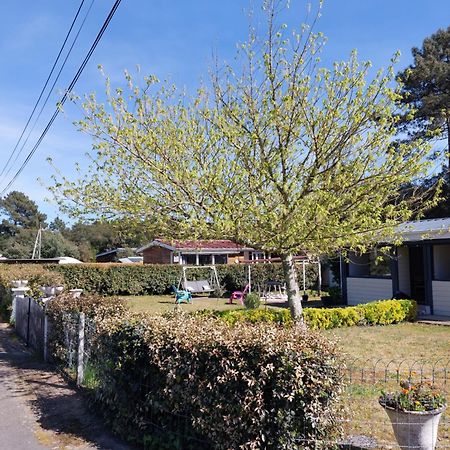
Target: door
{"points": [[417, 273]]}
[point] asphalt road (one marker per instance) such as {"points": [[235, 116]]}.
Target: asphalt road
{"points": [[17, 423], [39, 410]]}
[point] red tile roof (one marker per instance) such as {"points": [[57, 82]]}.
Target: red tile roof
{"points": [[223, 244]]}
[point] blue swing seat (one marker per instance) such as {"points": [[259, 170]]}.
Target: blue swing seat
{"points": [[181, 296]]}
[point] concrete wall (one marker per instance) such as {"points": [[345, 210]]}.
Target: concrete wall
{"points": [[364, 290], [441, 298], [157, 255], [404, 283], [441, 262]]}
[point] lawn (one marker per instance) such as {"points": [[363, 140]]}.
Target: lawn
{"points": [[160, 304], [405, 340], [376, 358]]}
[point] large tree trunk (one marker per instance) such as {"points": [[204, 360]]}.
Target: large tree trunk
{"points": [[293, 291]]}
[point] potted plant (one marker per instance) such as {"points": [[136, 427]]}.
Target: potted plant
{"points": [[415, 412]]}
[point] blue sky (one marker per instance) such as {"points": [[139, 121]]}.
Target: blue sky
{"points": [[172, 39]]}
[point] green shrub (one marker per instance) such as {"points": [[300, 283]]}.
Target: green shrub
{"points": [[63, 312], [195, 383], [382, 312], [156, 279], [252, 301]]}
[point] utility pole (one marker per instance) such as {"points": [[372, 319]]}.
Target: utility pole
{"points": [[37, 245]]}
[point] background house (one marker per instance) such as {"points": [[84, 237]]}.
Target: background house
{"points": [[120, 254], [419, 268], [196, 252]]}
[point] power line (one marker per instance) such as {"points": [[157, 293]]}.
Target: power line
{"points": [[45, 86], [65, 96], [50, 91]]}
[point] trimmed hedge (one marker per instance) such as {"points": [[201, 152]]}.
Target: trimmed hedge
{"points": [[156, 279], [382, 312], [37, 275], [194, 382], [64, 310]]}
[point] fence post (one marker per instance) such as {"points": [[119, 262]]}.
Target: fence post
{"points": [[28, 321], [80, 368], [45, 335]]}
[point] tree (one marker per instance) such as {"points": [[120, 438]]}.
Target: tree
{"points": [[284, 156], [21, 212], [54, 244], [426, 90], [58, 225]]}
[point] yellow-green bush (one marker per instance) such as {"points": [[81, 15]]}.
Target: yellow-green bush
{"points": [[382, 312]]}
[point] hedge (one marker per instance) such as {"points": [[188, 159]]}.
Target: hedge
{"points": [[36, 275], [382, 312], [194, 382], [156, 279]]}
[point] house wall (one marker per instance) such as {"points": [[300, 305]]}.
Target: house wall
{"points": [[441, 262], [364, 290], [157, 255], [441, 298], [404, 282], [111, 257], [238, 257]]}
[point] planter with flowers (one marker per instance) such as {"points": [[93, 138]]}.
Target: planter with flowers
{"points": [[415, 412]]}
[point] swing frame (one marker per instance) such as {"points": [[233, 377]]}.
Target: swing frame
{"points": [[199, 286]]}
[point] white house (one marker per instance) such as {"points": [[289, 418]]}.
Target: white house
{"points": [[419, 269]]}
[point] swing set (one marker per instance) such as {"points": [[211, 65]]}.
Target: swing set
{"points": [[199, 286]]}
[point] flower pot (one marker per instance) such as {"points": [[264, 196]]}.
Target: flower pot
{"points": [[50, 291], [305, 297], [415, 429]]}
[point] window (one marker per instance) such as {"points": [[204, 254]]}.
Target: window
{"points": [[220, 259], [204, 260], [374, 264], [441, 262], [190, 260]]}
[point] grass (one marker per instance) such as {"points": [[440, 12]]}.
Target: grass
{"points": [[404, 340], [377, 357], [160, 304]]}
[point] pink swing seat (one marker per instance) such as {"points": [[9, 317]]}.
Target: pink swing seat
{"points": [[239, 295]]}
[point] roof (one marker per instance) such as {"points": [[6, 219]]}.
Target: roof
{"points": [[202, 246], [60, 260], [421, 230], [131, 260], [69, 260], [113, 250]]}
